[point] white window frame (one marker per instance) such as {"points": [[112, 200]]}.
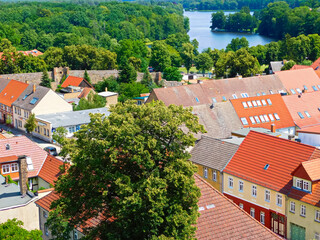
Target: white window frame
{"points": [[234, 96], [252, 120], [266, 118], [271, 117], [214, 175], [14, 167], [244, 121], [262, 218], [292, 207], [259, 103], [46, 230], [305, 186], [269, 101], [245, 105], [252, 212], [298, 90], [303, 210], [241, 205], [279, 200], [262, 118], [5, 168], [257, 119], [276, 116], [307, 114], [254, 103], [254, 191], [205, 172], [264, 103], [249, 104], [230, 182], [317, 215], [299, 183], [267, 195], [244, 95], [241, 186]]}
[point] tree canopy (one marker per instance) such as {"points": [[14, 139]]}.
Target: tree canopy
{"points": [[92, 101], [138, 178], [13, 229]]}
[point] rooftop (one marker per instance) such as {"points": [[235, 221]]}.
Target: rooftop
{"points": [[296, 66], [107, 94], [74, 81], [276, 66], [243, 132], [50, 170], [11, 92], [71, 118]]}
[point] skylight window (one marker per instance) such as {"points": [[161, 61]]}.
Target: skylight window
{"points": [[234, 96], [264, 103], [244, 95], [257, 119], [271, 117], [292, 91], [298, 90], [25, 97], [258, 94], [224, 98], [266, 117], [307, 114], [266, 166], [318, 86], [244, 104], [314, 88], [34, 100], [305, 87], [252, 120], [300, 115], [29, 163], [249, 104], [244, 121], [259, 103], [254, 103], [276, 116], [214, 100], [262, 118], [269, 101], [196, 100], [263, 93], [271, 92]]}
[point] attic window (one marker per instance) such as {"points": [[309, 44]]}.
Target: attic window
{"points": [[246, 106], [7, 146], [263, 93], [292, 91], [234, 96], [249, 104], [259, 103], [314, 88], [264, 103], [258, 94], [271, 117], [266, 117], [252, 120], [25, 97], [305, 87], [266, 166], [244, 95], [254, 103], [318, 86], [276, 116], [271, 92], [34, 100], [262, 118], [307, 114], [300, 115], [298, 90], [257, 119], [269, 101], [29, 163], [244, 121], [5, 94]]}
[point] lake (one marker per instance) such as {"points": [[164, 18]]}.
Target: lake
{"points": [[200, 23]]}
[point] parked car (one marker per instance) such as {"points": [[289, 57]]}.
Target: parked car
{"points": [[51, 150]]}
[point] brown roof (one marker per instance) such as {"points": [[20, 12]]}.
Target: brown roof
{"points": [[301, 78], [50, 170], [85, 91], [221, 90], [221, 219], [46, 201]]}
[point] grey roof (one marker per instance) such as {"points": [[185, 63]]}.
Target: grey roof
{"points": [[10, 195], [243, 132], [213, 153], [72, 118], [25, 103], [276, 66], [3, 83], [107, 94], [234, 140]]}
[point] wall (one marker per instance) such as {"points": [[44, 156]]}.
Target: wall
{"points": [[71, 95], [309, 138], [216, 184], [43, 127], [112, 100], [307, 222]]}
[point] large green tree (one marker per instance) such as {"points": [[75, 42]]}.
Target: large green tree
{"points": [[187, 55], [12, 230], [138, 178], [160, 56], [92, 101], [45, 80], [203, 62], [172, 74]]}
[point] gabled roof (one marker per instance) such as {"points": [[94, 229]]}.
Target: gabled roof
{"points": [[27, 100], [296, 66], [24, 146], [8, 159], [306, 102], [282, 156], [220, 218], [45, 202], [311, 130], [213, 153], [3, 83], [293, 79], [221, 90], [257, 106], [85, 91], [74, 81], [50, 170], [316, 64], [11, 92]]}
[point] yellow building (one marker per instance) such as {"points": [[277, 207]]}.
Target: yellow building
{"points": [[211, 156], [303, 205]]}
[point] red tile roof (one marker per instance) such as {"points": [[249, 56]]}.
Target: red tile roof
{"points": [[72, 81], [85, 91], [46, 201], [317, 72], [306, 102], [277, 106], [11, 92], [220, 218], [293, 79], [283, 156], [33, 52], [296, 66], [24, 146], [316, 64], [2, 136], [312, 130], [8, 159], [50, 170]]}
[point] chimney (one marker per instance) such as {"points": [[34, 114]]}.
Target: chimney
{"points": [[273, 128], [34, 88], [106, 89], [23, 174], [27, 82], [290, 137]]}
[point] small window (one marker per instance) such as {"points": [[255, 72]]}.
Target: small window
{"points": [[244, 121], [7, 146], [303, 211], [5, 168], [300, 115], [205, 172], [292, 91], [234, 96], [249, 104], [307, 114], [252, 120], [139, 102], [269, 101], [305, 87], [271, 117], [244, 104], [299, 183], [214, 100], [240, 186], [257, 119], [264, 103], [75, 235], [46, 230], [292, 207], [45, 214], [252, 212], [276, 116], [197, 99], [224, 98], [14, 167], [254, 103], [270, 91], [314, 88], [317, 216], [266, 118], [318, 86], [267, 195], [298, 90], [241, 205], [258, 94], [214, 175], [279, 200], [254, 191], [266, 167], [263, 93], [262, 217], [244, 95], [34, 100], [262, 118], [259, 103], [305, 186], [230, 182]]}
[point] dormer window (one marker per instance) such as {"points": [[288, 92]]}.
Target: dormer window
{"points": [[305, 186], [302, 184], [7, 146], [298, 183]]}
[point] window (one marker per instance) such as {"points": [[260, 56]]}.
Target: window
{"points": [[264, 103], [270, 91], [262, 217], [299, 183], [139, 102], [292, 91], [252, 120], [230, 182], [214, 175], [303, 211], [244, 104], [300, 115], [292, 207], [266, 118], [46, 230], [262, 118], [314, 88], [234, 96], [75, 235], [14, 167], [279, 200], [257, 119], [317, 236], [224, 98], [317, 215], [305, 87], [7, 146], [269, 101], [259, 103], [205, 172], [5, 168], [263, 93], [305, 186], [271, 117], [241, 205], [298, 90], [258, 94], [254, 103], [307, 114], [276, 116], [45, 214], [244, 121], [240, 186], [197, 99], [214, 100], [34, 100], [249, 104], [244, 95], [254, 191], [252, 212], [25, 97], [29, 163], [267, 195]]}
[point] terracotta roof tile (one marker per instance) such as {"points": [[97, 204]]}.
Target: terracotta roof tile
{"points": [[46, 201], [8, 159], [312, 168], [306, 102], [2, 136], [11, 92], [316, 64], [283, 156], [296, 66], [263, 108], [85, 91], [293, 79], [50, 171], [73, 81], [220, 218]]}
